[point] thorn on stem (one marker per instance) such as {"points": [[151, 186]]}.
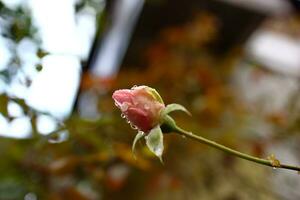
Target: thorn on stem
{"points": [[274, 161]]}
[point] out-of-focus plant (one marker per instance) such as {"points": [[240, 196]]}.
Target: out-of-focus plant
{"points": [[95, 162], [17, 27]]}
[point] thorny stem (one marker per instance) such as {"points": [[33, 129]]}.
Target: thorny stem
{"points": [[272, 162]]}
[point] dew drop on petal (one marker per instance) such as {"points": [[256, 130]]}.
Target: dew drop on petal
{"points": [[158, 150], [133, 126], [147, 107], [123, 116], [135, 102], [141, 132], [124, 107], [133, 87]]}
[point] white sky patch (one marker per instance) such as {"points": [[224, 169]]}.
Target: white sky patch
{"points": [[86, 30], [17, 128], [46, 124], [20, 127], [68, 37], [12, 4], [2, 86], [14, 109], [5, 53], [27, 50], [276, 51], [54, 89], [61, 30], [17, 87], [55, 20], [3, 125]]}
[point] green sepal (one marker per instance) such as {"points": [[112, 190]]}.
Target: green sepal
{"points": [[155, 94], [168, 124], [138, 136], [173, 107], [155, 143]]}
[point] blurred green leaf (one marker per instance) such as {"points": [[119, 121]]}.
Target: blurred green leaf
{"points": [[3, 105], [41, 53], [39, 67]]}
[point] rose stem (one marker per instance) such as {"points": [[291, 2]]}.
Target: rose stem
{"points": [[232, 151]]}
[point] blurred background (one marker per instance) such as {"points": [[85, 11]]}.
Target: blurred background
{"points": [[235, 64]]}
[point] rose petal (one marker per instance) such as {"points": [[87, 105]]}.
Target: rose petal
{"points": [[121, 96], [139, 118]]}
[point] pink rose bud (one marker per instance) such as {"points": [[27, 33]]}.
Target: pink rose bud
{"points": [[141, 105]]}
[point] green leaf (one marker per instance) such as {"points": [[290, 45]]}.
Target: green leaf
{"points": [[4, 100], [41, 53], [155, 143], [137, 138], [38, 67], [174, 107]]}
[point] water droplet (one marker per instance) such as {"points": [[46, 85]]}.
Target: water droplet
{"points": [[158, 150], [135, 102], [127, 121], [123, 116], [58, 137], [124, 107], [141, 132], [30, 196], [147, 107], [133, 87], [133, 126]]}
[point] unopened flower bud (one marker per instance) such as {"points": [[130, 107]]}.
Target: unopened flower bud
{"points": [[141, 105]]}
